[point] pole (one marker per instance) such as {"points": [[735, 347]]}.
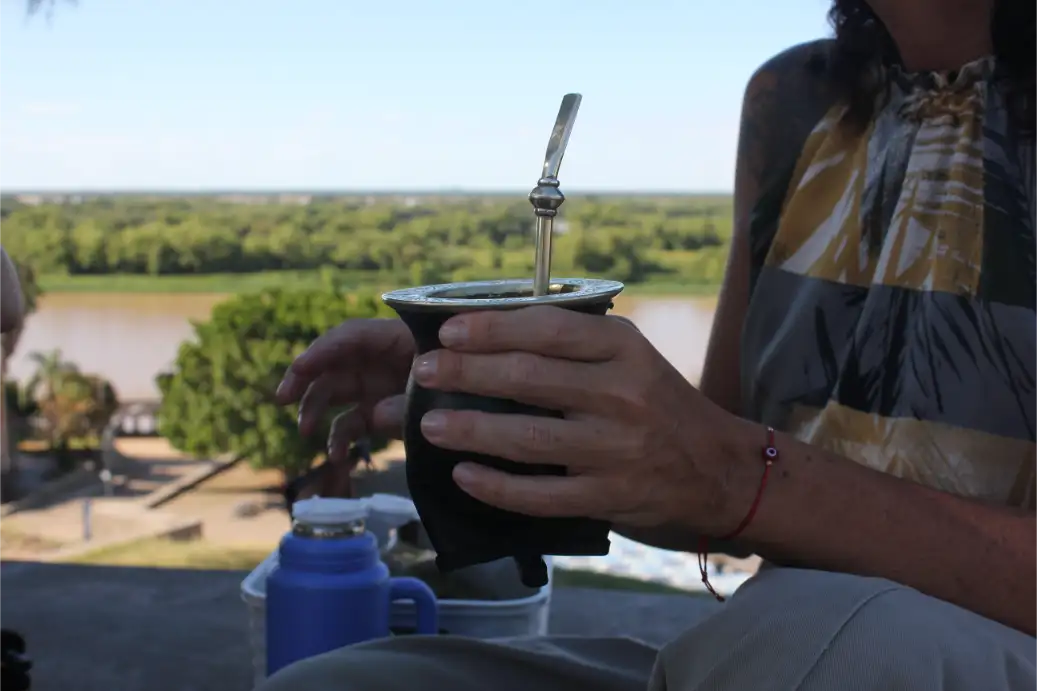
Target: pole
{"points": [[88, 529]]}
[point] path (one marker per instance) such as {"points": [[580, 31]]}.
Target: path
{"points": [[217, 502], [149, 464], [154, 463]]}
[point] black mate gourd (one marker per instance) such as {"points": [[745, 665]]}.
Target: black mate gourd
{"points": [[463, 530]]}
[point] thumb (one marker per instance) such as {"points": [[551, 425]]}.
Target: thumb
{"points": [[626, 321]]}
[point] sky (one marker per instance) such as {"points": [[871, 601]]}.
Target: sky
{"points": [[196, 95]]}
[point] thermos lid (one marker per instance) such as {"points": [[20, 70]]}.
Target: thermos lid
{"points": [[391, 508], [327, 511]]}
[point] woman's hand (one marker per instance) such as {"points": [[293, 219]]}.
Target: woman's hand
{"points": [[642, 446], [361, 362]]}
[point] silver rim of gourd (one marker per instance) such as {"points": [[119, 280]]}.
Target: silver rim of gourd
{"points": [[508, 293]]}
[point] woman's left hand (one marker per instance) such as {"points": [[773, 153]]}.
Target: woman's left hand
{"points": [[641, 445]]}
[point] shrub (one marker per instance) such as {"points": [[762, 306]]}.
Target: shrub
{"points": [[219, 397]]}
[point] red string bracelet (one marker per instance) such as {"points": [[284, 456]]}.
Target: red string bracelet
{"points": [[770, 457]]}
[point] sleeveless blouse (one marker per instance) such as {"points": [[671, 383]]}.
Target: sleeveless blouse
{"points": [[891, 318]]}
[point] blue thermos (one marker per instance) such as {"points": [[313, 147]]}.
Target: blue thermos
{"points": [[330, 588]]}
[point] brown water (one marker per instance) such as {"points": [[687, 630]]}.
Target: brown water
{"points": [[129, 339]]}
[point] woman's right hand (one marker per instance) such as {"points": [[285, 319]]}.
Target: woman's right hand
{"points": [[361, 362]]}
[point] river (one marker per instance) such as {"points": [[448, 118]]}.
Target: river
{"points": [[130, 338]]}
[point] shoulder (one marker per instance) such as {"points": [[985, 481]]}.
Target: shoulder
{"points": [[806, 57], [795, 82], [784, 100]]}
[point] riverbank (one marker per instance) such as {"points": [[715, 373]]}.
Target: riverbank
{"points": [[129, 336], [226, 284]]}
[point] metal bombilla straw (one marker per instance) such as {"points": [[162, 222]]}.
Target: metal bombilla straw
{"points": [[546, 197]]}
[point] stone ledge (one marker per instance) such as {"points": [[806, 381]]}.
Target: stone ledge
{"points": [[98, 628]]}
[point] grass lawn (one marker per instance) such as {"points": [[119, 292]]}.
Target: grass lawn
{"points": [[199, 554], [249, 282], [174, 554]]}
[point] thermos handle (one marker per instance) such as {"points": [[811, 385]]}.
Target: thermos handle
{"points": [[426, 607]]}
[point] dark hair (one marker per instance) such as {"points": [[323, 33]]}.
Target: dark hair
{"points": [[863, 47]]}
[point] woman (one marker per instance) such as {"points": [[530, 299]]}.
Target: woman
{"points": [[11, 315], [11, 301], [878, 311]]}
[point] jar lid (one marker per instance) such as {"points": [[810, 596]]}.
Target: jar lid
{"points": [[327, 511]]}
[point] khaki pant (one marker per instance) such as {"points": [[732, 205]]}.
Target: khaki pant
{"points": [[784, 629]]}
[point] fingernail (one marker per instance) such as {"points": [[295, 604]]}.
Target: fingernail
{"points": [[454, 332], [464, 474], [433, 424], [282, 387], [425, 367]]}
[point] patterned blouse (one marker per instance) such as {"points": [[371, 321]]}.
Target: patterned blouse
{"points": [[892, 312]]}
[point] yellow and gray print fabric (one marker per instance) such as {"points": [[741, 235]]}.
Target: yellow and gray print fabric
{"points": [[892, 314]]}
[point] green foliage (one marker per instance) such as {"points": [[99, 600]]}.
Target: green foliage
{"points": [[375, 240], [219, 398], [69, 404], [17, 401], [18, 408], [16, 413]]}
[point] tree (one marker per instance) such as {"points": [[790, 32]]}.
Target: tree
{"points": [[51, 370], [70, 404], [79, 407], [437, 239], [219, 397]]}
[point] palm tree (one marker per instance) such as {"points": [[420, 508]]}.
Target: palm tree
{"points": [[71, 405], [52, 371]]}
